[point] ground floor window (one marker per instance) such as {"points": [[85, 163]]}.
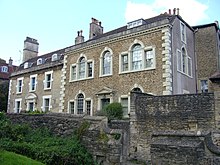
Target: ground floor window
{"points": [[88, 107], [31, 106], [124, 103], [17, 108], [71, 107], [105, 102], [46, 103]]}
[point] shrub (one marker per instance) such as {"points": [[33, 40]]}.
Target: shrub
{"points": [[114, 111]]}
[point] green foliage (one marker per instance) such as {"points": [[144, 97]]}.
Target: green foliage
{"points": [[114, 111], [4, 96], [103, 137], [82, 129], [40, 144], [10, 158], [116, 136]]}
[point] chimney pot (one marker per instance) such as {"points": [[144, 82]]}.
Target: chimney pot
{"points": [[174, 11], [170, 11], [178, 11]]}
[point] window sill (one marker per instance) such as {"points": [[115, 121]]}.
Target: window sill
{"points": [[185, 74], [140, 70], [88, 78], [106, 75]]}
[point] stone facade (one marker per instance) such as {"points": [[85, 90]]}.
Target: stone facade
{"points": [[37, 87], [162, 78], [207, 44]]}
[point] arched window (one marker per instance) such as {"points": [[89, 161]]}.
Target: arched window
{"points": [[82, 68], [137, 90], [184, 60], [136, 57], [80, 102], [107, 63], [39, 61]]}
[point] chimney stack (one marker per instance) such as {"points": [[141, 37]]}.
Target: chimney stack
{"points": [[30, 48], [80, 38], [178, 11], [174, 11], [95, 28], [169, 11], [10, 62]]}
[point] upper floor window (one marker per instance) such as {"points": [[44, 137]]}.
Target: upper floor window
{"points": [[183, 32], [4, 69], [137, 59], [106, 62], [48, 80], [54, 57], [26, 65], [184, 62], [39, 61], [81, 70], [33, 83], [19, 85]]}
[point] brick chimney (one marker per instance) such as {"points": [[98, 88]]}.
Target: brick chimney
{"points": [[10, 62], [80, 38], [95, 28], [30, 48]]}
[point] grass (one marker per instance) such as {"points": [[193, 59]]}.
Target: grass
{"points": [[10, 158]]}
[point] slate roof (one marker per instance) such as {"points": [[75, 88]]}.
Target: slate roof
{"points": [[215, 77]]}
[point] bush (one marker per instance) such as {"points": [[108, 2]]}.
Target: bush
{"points": [[40, 144], [114, 111]]}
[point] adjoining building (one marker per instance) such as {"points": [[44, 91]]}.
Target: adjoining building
{"points": [[35, 86], [5, 71], [207, 49]]}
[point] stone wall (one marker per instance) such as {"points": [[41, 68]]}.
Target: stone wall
{"points": [[191, 112], [176, 129]]}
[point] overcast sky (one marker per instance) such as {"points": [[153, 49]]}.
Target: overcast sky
{"points": [[54, 23]]}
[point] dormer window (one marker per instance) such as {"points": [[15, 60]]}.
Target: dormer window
{"points": [[25, 65], [54, 57], [39, 61], [4, 69], [135, 23]]}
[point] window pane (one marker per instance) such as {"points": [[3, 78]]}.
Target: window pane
{"points": [[46, 104], [124, 103], [107, 63], [149, 58], [189, 67], [136, 57], [80, 104], [31, 106], [33, 82], [48, 81], [184, 60], [17, 106], [73, 77], [88, 107], [179, 63], [82, 68], [71, 106], [90, 69], [124, 62], [204, 86]]}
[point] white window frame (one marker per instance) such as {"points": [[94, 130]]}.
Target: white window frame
{"points": [[187, 72], [45, 80], [39, 61], [183, 32], [91, 103], [19, 87], [30, 83], [43, 103], [69, 106], [26, 65], [4, 69], [101, 70], [28, 103], [77, 65], [15, 107], [54, 57], [143, 60]]}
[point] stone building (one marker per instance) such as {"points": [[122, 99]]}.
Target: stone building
{"points": [[154, 56], [36, 83], [207, 49]]}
